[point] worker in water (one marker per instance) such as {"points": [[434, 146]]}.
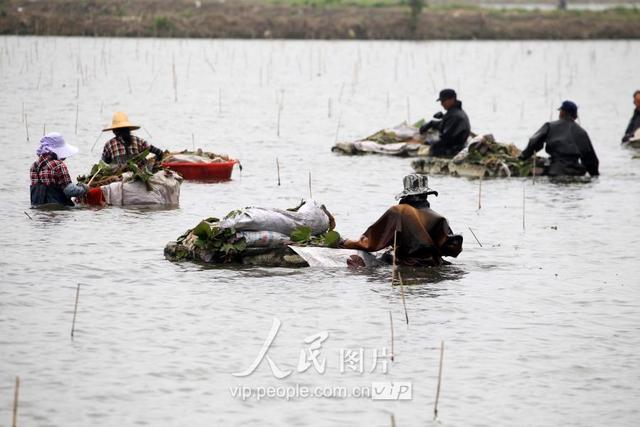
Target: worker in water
{"points": [[421, 235], [50, 180], [634, 123], [453, 126], [568, 145], [124, 146]]}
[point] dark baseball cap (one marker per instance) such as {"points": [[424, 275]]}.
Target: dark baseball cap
{"points": [[447, 94], [569, 107]]}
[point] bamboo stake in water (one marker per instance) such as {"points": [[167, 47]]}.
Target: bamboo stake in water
{"points": [[435, 407], [392, 337], [480, 193], [75, 311], [28, 216], [310, 193], [193, 142], [16, 393], [77, 110], [175, 80], [404, 303], [329, 108], [523, 204], [278, 169], [393, 268], [26, 125], [44, 129], [393, 421], [533, 171], [474, 235]]}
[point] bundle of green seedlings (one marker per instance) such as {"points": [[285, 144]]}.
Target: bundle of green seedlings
{"points": [[103, 173], [387, 136], [226, 245], [495, 156]]}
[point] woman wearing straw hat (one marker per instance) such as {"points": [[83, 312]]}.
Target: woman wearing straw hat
{"points": [[50, 180], [124, 146], [421, 235]]}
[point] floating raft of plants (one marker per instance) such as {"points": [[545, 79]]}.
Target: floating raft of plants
{"points": [[483, 158], [200, 165], [403, 140], [138, 182], [258, 237]]}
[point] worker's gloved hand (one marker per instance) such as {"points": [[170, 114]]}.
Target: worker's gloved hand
{"points": [[438, 115], [425, 127]]}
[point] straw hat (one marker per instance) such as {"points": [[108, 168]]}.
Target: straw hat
{"points": [[120, 121]]}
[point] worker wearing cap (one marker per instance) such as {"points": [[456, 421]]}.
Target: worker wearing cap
{"points": [[454, 127], [124, 146], [634, 123], [568, 145]]}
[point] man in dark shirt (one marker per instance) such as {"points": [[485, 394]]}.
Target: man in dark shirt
{"points": [[568, 145], [634, 123], [454, 128]]}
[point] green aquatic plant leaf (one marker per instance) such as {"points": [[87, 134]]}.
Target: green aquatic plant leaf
{"points": [[332, 239], [203, 231], [301, 234]]}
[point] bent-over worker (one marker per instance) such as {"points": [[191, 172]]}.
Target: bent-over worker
{"points": [[423, 236], [50, 180], [124, 146], [568, 145]]}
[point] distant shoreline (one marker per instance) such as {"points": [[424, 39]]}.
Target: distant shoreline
{"points": [[252, 20]]}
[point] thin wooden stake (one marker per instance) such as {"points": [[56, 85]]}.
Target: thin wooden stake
{"points": [[338, 127], [435, 407], [404, 303], [77, 110], [28, 216], [523, 204], [480, 194], [329, 108], [310, 193], [393, 420], [96, 141], [392, 337], [219, 101], [16, 393], [193, 142], [474, 235], [75, 311], [175, 80], [26, 125], [393, 271], [533, 171], [44, 129], [278, 169]]}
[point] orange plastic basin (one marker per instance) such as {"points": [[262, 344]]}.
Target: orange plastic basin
{"points": [[210, 172]]}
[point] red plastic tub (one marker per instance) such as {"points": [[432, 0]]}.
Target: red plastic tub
{"points": [[209, 172]]}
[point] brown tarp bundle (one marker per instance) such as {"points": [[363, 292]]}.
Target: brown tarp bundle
{"points": [[423, 238]]}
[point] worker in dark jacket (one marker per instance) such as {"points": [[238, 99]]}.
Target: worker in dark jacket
{"points": [[568, 145], [422, 236], [634, 123], [454, 127]]}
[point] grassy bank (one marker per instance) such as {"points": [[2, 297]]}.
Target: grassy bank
{"points": [[307, 19]]}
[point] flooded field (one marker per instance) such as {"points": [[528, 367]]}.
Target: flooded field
{"points": [[540, 324]]}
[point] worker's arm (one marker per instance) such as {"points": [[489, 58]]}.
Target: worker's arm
{"points": [[588, 155], [536, 142], [155, 150]]}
